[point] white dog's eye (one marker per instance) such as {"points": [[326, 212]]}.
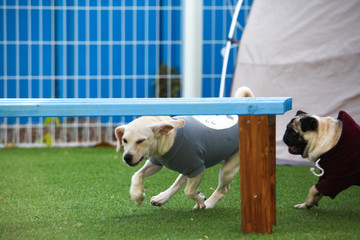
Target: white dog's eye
{"points": [[124, 140], [140, 141]]}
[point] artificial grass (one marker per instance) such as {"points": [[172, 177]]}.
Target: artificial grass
{"points": [[84, 194]]}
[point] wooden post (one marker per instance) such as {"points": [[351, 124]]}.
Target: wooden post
{"points": [[257, 173]]}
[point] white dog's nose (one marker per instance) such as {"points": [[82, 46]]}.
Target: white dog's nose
{"points": [[128, 158]]}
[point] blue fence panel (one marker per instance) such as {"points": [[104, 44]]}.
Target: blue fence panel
{"points": [[91, 50]]}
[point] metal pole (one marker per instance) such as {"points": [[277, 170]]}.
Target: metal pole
{"points": [[192, 48], [228, 45]]}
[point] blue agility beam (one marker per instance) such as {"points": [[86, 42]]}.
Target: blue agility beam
{"points": [[47, 107], [257, 146]]}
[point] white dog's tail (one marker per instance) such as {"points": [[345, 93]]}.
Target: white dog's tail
{"points": [[244, 92]]}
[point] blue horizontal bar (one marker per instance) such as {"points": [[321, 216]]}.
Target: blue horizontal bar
{"points": [[61, 107]]}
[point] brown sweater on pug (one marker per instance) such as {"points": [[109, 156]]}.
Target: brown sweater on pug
{"points": [[341, 163]]}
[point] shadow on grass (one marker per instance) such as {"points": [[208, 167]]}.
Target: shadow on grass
{"points": [[225, 223], [180, 223], [331, 217]]}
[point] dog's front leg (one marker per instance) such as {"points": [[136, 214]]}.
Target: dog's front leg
{"points": [[312, 199], [191, 191], [137, 190], [165, 196]]}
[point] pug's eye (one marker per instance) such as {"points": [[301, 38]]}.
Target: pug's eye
{"points": [[140, 141], [294, 134]]}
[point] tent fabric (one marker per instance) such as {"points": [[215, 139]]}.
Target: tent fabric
{"points": [[307, 50]]}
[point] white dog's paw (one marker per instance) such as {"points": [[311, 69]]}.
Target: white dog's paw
{"points": [[160, 199], [201, 203], [199, 206], [210, 203], [138, 199], [215, 197], [302, 206], [137, 195]]}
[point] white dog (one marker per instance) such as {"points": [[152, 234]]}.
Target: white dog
{"points": [[185, 144]]}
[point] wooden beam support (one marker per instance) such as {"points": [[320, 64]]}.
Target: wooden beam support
{"points": [[257, 173]]}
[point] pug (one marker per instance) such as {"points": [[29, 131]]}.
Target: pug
{"points": [[333, 145]]}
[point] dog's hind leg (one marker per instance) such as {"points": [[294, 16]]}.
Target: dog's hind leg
{"points": [[191, 190], [227, 173], [165, 196]]}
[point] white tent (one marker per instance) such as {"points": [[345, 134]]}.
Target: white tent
{"points": [[307, 50]]}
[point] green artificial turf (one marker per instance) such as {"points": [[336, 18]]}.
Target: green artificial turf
{"points": [[84, 194]]}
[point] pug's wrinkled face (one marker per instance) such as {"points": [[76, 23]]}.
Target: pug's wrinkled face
{"points": [[299, 131]]}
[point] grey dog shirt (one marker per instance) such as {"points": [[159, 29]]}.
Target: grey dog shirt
{"points": [[198, 146]]}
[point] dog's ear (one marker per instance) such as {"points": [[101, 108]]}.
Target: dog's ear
{"points": [[308, 124], [119, 133], [163, 128], [177, 123], [300, 112]]}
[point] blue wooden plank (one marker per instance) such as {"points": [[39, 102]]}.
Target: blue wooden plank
{"points": [[22, 107]]}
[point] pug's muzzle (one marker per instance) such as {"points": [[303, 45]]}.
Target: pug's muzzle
{"points": [[294, 141]]}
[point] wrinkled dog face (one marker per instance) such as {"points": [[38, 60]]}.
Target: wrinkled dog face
{"points": [[299, 132]]}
